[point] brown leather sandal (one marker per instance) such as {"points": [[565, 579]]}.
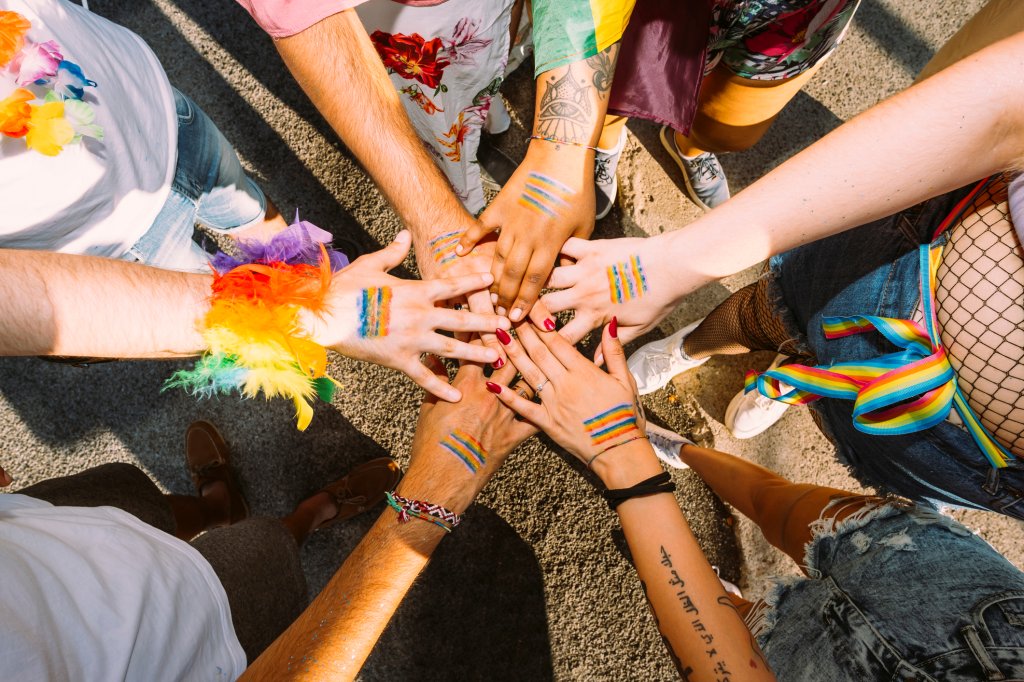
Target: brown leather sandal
{"points": [[362, 489], [209, 460]]}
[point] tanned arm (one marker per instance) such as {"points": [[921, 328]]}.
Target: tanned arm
{"points": [[339, 69], [701, 628]]}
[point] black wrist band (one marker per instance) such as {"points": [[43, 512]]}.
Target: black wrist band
{"points": [[662, 483]]}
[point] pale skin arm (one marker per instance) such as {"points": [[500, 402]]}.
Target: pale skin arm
{"points": [[957, 127], [702, 630], [60, 304]]}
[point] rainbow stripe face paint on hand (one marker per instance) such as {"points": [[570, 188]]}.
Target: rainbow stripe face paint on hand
{"points": [[442, 247], [374, 312], [627, 281], [468, 449], [544, 195], [611, 424]]}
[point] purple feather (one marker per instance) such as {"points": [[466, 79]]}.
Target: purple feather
{"points": [[298, 243]]}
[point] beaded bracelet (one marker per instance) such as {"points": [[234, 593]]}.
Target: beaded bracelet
{"points": [[425, 511], [555, 140], [255, 342], [613, 446]]}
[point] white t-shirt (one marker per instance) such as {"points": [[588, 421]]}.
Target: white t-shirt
{"points": [[93, 593], [95, 197]]}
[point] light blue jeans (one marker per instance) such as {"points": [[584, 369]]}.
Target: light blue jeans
{"points": [[874, 270], [210, 187], [897, 593]]}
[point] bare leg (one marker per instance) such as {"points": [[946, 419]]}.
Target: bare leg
{"points": [[734, 113], [613, 126], [783, 510]]}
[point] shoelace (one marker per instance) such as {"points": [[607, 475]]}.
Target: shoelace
{"points": [[705, 166], [601, 174]]}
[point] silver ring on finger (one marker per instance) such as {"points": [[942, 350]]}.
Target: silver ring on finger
{"points": [[540, 387]]}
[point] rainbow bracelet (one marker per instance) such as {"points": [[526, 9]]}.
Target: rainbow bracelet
{"points": [[255, 342], [425, 511]]}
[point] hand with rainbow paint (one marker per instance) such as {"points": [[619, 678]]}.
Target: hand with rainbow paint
{"points": [[459, 446], [583, 408], [630, 279], [548, 199], [379, 318]]}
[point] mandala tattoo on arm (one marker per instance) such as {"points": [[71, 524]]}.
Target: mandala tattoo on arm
{"points": [[565, 109]]}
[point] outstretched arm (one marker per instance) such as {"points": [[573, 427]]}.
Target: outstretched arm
{"points": [[958, 126], [338, 68], [595, 416], [550, 197], [60, 304], [333, 637]]}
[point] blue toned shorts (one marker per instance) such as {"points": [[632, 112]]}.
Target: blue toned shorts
{"points": [[897, 594], [874, 270], [209, 187]]}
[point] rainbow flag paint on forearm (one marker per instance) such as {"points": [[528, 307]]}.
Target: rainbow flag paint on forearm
{"points": [[567, 31]]}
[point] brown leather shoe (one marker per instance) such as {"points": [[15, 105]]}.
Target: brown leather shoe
{"points": [[362, 488], [209, 460]]}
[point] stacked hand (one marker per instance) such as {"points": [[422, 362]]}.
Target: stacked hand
{"points": [[380, 318], [548, 199], [582, 407]]}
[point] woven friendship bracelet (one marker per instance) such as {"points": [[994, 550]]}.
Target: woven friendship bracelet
{"points": [[425, 511], [555, 140]]}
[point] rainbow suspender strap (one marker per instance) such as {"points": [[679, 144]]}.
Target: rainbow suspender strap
{"points": [[903, 392]]}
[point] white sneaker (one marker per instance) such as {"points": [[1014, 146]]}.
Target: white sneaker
{"points": [[654, 364], [751, 413], [667, 445]]}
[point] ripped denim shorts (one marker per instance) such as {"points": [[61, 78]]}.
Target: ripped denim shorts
{"points": [[898, 592]]}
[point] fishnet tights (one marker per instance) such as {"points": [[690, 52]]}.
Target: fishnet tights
{"points": [[980, 309], [741, 323]]}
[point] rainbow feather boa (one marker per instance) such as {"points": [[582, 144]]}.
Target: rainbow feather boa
{"points": [[254, 339]]}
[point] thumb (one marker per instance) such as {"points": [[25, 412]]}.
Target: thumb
{"points": [[392, 255], [614, 355]]}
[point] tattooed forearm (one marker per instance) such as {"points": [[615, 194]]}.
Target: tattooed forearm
{"points": [[565, 109], [603, 66], [684, 671], [569, 103]]}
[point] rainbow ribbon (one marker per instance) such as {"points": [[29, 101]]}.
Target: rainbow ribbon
{"points": [[903, 392]]}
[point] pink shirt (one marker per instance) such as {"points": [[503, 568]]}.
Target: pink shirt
{"points": [[283, 18]]}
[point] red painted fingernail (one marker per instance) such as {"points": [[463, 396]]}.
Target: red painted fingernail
{"points": [[499, 363], [503, 336], [549, 324], [493, 388], [613, 328]]}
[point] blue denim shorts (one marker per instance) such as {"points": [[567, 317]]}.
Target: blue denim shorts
{"points": [[897, 593], [210, 188], [874, 270]]}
